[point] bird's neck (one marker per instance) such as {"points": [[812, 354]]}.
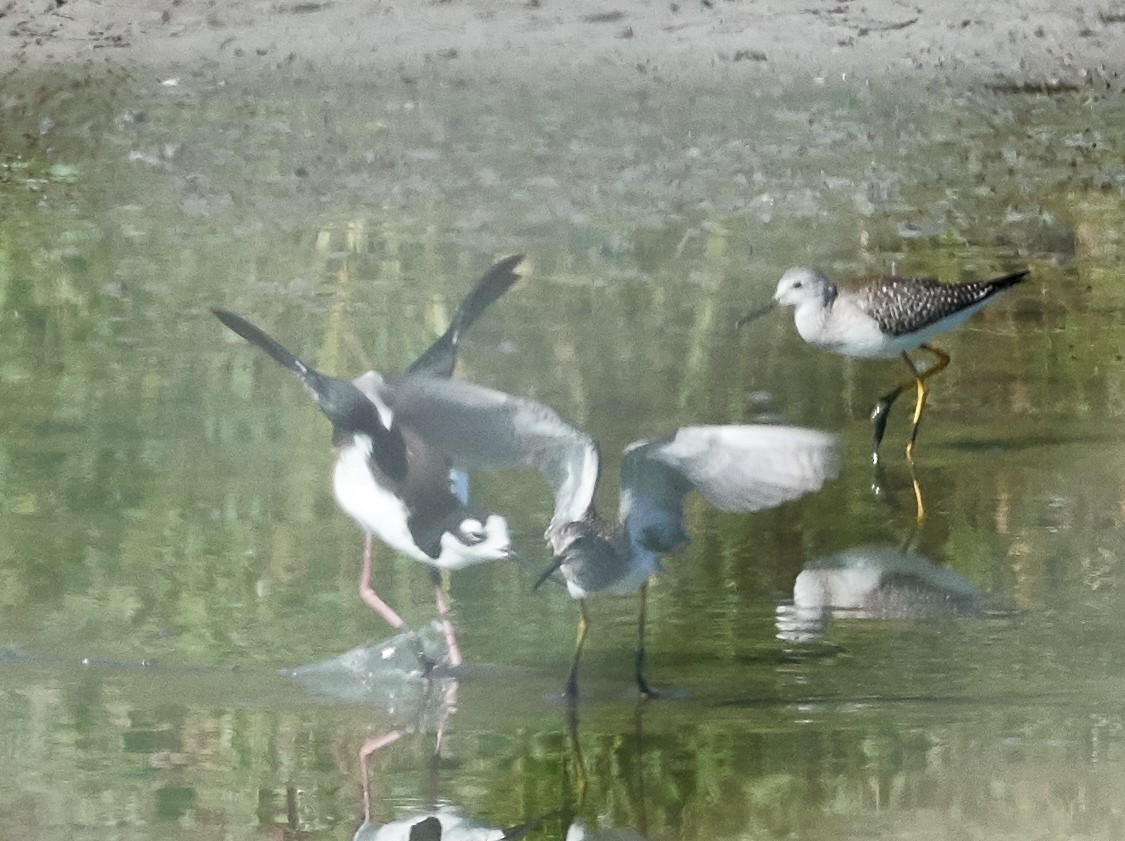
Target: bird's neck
{"points": [[811, 318]]}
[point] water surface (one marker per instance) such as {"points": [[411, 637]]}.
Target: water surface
{"points": [[170, 539]]}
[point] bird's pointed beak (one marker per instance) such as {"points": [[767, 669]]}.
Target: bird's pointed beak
{"points": [[547, 573], [754, 315], [511, 554]]}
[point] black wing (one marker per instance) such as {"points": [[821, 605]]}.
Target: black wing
{"points": [[345, 405], [438, 360]]}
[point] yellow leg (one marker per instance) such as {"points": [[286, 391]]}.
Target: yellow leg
{"points": [[941, 361], [580, 640], [579, 760], [919, 503]]}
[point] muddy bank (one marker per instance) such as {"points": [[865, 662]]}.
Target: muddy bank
{"points": [[1037, 45]]}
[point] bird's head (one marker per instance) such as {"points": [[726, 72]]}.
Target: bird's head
{"points": [[801, 285], [478, 540], [589, 552]]}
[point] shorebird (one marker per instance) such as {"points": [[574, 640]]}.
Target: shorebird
{"points": [[884, 317], [736, 468], [393, 482]]}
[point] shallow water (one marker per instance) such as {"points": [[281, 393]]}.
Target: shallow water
{"points": [[170, 540]]}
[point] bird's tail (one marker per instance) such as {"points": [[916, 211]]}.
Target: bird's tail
{"points": [[999, 284], [440, 357]]}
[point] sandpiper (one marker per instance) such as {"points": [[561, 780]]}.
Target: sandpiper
{"points": [[390, 479], [884, 317], [737, 468]]}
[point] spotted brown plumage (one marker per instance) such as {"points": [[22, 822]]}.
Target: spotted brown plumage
{"points": [[902, 305], [884, 318]]}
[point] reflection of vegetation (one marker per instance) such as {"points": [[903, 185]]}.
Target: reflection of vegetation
{"points": [[171, 764]]}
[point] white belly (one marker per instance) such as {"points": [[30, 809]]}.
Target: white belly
{"points": [[378, 511]]}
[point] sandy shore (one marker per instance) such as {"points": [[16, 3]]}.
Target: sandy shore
{"points": [[1029, 43]]}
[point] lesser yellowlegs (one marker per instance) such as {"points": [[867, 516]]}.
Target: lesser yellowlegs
{"points": [[884, 317], [393, 482]]}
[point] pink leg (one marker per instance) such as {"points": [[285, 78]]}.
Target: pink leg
{"points": [[368, 594], [446, 625], [448, 708], [372, 600], [369, 747]]}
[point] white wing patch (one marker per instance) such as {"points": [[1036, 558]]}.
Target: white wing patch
{"points": [[371, 386]]}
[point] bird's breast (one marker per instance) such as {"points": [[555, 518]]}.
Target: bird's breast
{"points": [[375, 507]]}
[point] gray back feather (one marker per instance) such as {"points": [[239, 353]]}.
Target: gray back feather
{"points": [[902, 305], [481, 427]]}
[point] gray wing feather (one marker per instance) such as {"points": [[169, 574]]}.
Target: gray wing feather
{"points": [[735, 468], [481, 427]]}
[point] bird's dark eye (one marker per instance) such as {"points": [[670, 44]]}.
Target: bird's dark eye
{"points": [[797, 285], [471, 532]]}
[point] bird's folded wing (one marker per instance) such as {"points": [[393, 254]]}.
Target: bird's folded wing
{"points": [[481, 427], [736, 468], [904, 305]]}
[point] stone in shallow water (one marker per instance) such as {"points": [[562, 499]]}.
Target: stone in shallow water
{"points": [[386, 673]]}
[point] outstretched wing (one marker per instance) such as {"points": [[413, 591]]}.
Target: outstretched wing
{"points": [[348, 409], [735, 468], [439, 358], [482, 427]]}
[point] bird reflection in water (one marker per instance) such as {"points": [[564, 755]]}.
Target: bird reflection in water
{"points": [[380, 675], [392, 481], [442, 821], [873, 582], [445, 822], [576, 826]]}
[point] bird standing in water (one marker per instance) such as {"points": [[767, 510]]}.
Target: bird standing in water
{"points": [[736, 468], [394, 483], [884, 317]]}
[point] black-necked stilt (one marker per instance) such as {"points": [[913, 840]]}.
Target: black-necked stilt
{"points": [[389, 478], [736, 468], [884, 317]]}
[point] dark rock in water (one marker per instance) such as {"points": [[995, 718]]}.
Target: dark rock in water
{"points": [[385, 673]]}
